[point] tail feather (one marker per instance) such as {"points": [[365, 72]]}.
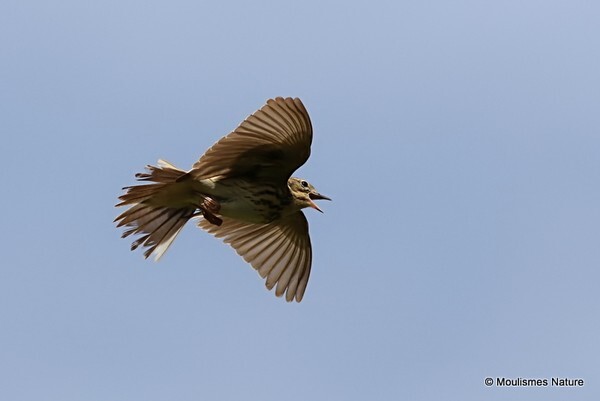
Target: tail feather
{"points": [[163, 175], [157, 222]]}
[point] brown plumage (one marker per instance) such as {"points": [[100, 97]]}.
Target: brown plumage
{"points": [[242, 192]]}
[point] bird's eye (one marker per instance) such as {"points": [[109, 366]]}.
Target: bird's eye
{"points": [[304, 184]]}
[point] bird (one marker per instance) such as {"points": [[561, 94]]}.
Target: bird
{"points": [[241, 191]]}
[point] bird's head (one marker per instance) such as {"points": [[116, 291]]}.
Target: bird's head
{"points": [[304, 193]]}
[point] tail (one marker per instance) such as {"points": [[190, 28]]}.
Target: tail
{"points": [[159, 210]]}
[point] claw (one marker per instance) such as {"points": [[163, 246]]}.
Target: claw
{"points": [[208, 208]]}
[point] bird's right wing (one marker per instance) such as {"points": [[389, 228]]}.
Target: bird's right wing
{"points": [[280, 251], [270, 144]]}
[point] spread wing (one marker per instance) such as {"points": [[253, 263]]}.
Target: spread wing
{"points": [[269, 145], [279, 251]]}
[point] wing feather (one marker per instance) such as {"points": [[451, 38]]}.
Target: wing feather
{"points": [[270, 144], [281, 251]]}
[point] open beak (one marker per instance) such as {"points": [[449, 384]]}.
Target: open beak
{"points": [[316, 196]]}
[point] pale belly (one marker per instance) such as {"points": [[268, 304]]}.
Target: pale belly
{"points": [[238, 203], [242, 209]]}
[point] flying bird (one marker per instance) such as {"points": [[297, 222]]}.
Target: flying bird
{"points": [[241, 190]]}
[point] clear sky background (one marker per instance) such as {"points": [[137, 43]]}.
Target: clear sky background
{"points": [[460, 142]]}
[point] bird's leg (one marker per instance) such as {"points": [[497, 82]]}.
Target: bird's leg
{"points": [[209, 207]]}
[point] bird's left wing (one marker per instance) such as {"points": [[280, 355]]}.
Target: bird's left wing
{"points": [[270, 144], [280, 251]]}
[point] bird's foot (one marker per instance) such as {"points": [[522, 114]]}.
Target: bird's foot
{"points": [[208, 208]]}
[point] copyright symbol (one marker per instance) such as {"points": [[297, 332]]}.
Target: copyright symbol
{"points": [[489, 381]]}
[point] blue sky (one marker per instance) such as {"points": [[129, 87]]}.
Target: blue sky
{"points": [[459, 142]]}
